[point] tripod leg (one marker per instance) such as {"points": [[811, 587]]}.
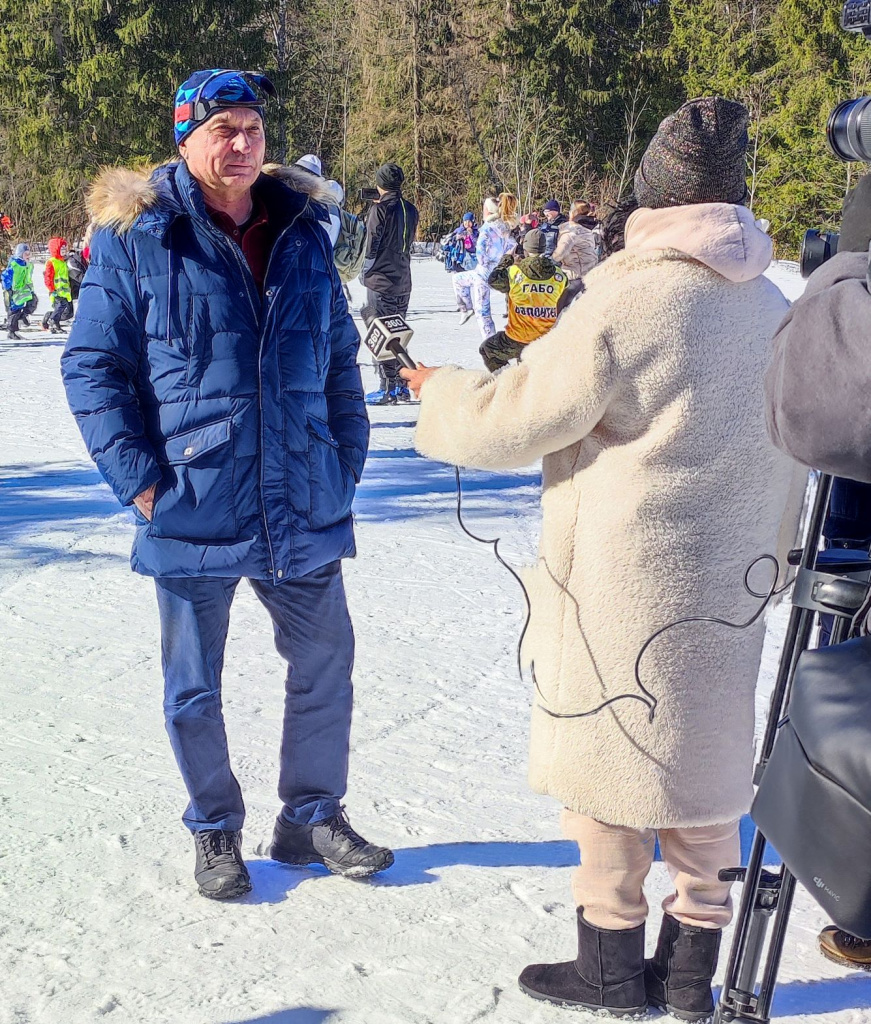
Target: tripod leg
{"points": [[753, 956], [775, 950], [746, 948]]}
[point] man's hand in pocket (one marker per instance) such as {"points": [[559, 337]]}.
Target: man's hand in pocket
{"points": [[145, 501]]}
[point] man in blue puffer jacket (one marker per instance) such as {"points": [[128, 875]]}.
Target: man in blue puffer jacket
{"points": [[212, 369]]}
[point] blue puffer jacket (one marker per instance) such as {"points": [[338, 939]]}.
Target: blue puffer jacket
{"points": [[247, 413]]}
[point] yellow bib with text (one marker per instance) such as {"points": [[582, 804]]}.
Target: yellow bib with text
{"points": [[532, 304]]}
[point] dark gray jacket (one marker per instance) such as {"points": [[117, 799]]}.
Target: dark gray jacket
{"points": [[818, 386], [391, 227]]}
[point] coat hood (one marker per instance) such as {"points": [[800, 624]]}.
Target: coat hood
{"points": [[54, 247], [723, 236], [120, 195]]}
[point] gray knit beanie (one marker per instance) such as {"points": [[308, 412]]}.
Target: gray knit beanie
{"points": [[534, 242], [698, 155]]}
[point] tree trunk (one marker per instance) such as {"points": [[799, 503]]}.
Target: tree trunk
{"points": [[416, 105]]}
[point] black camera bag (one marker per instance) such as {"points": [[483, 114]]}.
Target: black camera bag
{"points": [[814, 801]]}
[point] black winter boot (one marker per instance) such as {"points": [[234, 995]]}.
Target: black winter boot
{"points": [[678, 978], [220, 872], [331, 842], [608, 973]]}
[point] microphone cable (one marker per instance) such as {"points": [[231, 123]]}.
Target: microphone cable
{"points": [[644, 695]]}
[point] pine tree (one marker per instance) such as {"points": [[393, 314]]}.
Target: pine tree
{"points": [[91, 82], [803, 184], [607, 58], [790, 63]]}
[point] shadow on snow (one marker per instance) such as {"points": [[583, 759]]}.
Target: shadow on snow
{"points": [[34, 498], [828, 995], [296, 1015], [398, 484], [419, 865]]}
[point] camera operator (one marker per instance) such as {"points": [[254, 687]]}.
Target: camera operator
{"points": [[659, 487], [816, 391], [819, 380]]}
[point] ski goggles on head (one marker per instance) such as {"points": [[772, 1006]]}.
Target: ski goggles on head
{"points": [[207, 92]]}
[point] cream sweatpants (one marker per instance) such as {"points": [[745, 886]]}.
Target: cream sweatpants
{"points": [[615, 861]]}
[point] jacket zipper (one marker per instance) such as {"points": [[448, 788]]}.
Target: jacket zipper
{"points": [[246, 274]]}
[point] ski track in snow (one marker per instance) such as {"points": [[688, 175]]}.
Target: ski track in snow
{"points": [[100, 918]]}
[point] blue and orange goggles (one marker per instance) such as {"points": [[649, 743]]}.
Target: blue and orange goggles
{"points": [[207, 92]]}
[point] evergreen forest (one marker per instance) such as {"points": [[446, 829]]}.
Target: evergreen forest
{"points": [[539, 97]]}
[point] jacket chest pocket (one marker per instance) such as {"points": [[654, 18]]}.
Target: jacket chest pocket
{"points": [[331, 483], [196, 499]]}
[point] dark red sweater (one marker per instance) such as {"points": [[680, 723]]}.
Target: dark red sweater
{"points": [[254, 238]]}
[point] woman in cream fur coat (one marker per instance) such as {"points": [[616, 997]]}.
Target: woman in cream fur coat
{"points": [[660, 486]]}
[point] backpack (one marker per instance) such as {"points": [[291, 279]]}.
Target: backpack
{"points": [[349, 252], [6, 279]]}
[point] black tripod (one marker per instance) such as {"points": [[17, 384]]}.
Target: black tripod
{"points": [[823, 585]]}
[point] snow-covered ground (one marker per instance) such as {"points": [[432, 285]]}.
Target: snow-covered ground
{"points": [[99, 917]]}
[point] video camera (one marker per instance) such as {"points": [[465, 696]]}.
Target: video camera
{"points": [[848, 132]]}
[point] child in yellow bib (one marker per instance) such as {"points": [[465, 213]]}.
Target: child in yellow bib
{"points": [[536, 288], [57, 280]]}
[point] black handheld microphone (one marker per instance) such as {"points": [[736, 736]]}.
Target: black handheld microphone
{"points": [[386, 339]]}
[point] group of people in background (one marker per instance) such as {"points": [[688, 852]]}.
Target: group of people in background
{"points": [[63, 275], [538, 261]]}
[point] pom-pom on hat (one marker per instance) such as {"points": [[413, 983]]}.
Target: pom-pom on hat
{"points": [[698, 155]]}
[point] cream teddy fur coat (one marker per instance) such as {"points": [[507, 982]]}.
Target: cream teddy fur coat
{"points": [[659, 487]]}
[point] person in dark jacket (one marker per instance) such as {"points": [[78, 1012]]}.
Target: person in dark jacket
{"points": [[386, 275], [212, 369], [816, 396], [77, 263], [554, 218]]}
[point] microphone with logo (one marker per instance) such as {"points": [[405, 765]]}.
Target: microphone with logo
{"points": [[387, 338]]}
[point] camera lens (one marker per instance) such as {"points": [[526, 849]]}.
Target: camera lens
{"points": [[849, 130], [816, 248]]}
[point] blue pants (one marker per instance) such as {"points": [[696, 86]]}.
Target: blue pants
{"points": [[313, 634]]}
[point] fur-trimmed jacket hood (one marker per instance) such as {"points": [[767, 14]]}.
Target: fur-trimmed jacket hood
{"points": [[122, 197]]}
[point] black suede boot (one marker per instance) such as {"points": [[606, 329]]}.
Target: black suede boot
{"points": [[608, 973], [678, 978]]}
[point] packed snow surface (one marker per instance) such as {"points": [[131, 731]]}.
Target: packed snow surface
{"points": [[99, 916]]}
